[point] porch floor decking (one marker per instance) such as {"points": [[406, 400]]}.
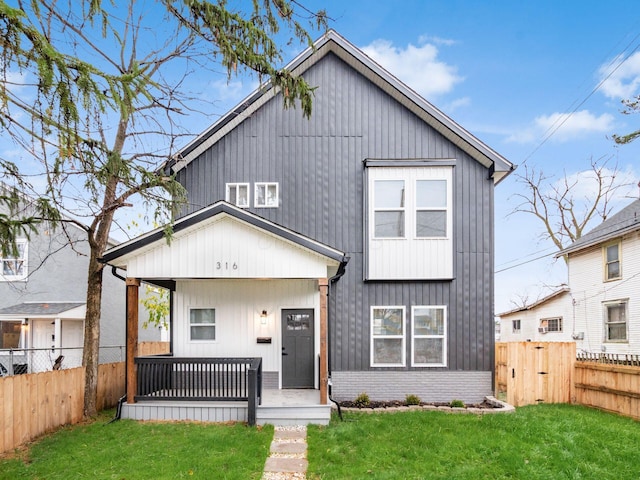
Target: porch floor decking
{"points": [[279, 407]]}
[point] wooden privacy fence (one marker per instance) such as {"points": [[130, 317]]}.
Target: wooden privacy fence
{"points": [[550, 372], [535, 372], [37, 403]]}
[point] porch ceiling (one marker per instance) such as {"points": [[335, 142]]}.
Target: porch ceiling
{"points": [[223, 241]]}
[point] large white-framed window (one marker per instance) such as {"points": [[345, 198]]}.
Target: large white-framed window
{"points": [[429, 339], [431, 209], [611, 257], [238, 194], [615, 321], [266, 195], [409, 216], [389, 209], [14, 265], [387, 336], [202, 324]]}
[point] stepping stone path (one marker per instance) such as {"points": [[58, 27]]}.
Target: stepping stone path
{"points": [[288, 454]]}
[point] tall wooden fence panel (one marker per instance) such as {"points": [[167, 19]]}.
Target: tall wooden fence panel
{"points": [[36, 403], [535, 372], [615, 388]]}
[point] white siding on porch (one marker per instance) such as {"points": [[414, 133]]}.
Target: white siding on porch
{"points": [[225, 247], [238, 304]]}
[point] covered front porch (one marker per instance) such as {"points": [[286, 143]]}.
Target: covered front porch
{"points": [[249, 321]]}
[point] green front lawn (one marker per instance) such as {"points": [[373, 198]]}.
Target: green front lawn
{"points": [[537, 442], [129, 450]]}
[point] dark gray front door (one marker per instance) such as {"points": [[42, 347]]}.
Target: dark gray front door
{"points": [[297, 348]]}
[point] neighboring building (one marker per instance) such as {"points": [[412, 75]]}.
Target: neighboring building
{"points": [[379, 205], [42, 301], [604, 277], [549, 319]]}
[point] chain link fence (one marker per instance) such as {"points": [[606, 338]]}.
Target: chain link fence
{"points": [[17, 361]]}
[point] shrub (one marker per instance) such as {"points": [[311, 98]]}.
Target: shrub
{"points": [[412, 400], [456, 404], [362, 400]]}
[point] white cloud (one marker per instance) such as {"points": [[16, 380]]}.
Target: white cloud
{"points": [[624, 81], [418, 67], [562, 127]]}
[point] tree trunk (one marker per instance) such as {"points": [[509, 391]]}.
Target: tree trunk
{"points": [[92, 334]]}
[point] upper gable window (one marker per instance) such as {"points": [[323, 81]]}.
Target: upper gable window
{"points": [[409, 217], [238, 194], [266, 195], [612, 269], [14, 267]]}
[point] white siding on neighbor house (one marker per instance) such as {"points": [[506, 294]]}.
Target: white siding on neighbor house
{"points": [[226, 248], [590, 291], [238, 304], [410, 258], [559, 306]]}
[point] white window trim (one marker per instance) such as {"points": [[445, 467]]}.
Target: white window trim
{"points": [[544, 323], [214, 324], [266, 185], [403, 336], [446, 209], [605, 319], [443, 336], [605, 272], [25, 269], [402, 209], [238, 185], [513, 327]]}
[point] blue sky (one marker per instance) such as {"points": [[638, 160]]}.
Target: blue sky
{"points": [[539, 82], [507, 71]]}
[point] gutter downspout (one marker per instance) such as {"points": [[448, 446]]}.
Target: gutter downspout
{"points": [[332, 280]]}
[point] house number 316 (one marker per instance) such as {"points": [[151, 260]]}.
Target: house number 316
{"points": [[226, 266]]}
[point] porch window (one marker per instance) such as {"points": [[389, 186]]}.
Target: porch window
{"points": [[429, 342], [202, 322], [14, 265], [238, 194], [387, 337], [612, 262], [266, 195], [615, 321]]}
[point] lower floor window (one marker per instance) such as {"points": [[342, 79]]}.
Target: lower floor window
{"points": [[515, 326], [10, 334], [429, 335], [551, 324], [387, 336], [615, 321], [202, 323]]}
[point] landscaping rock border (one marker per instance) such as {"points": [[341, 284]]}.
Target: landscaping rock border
{"points": [[498, 406]]}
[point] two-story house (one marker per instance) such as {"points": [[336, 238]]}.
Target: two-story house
{"points": [[352, 250], [604, 277]]}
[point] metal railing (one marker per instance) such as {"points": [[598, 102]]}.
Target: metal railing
{"points": [[163, 377], [17, 361]]}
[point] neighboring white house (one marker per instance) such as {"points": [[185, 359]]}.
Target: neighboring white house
{"points": [[604, 278], [549, 319]]}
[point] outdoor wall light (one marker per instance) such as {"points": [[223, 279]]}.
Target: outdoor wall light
{"points": [[263, 317]]}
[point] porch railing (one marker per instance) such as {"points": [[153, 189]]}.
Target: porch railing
{"points": [[162, 377]]}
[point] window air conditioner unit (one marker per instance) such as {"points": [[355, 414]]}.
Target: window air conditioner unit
{"points": [[542, 330]]}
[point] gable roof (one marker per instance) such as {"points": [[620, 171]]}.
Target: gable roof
{"points": [[220, 208], [625, 221], [332, 42], [537, 303]]}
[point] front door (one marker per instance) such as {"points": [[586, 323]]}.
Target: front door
{"points": [[297, 348]]}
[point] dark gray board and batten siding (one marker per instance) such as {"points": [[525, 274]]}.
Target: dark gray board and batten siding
{"points": [[318, 164]]}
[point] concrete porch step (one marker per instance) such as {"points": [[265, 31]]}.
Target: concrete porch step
{"points": [[293, 415]]}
